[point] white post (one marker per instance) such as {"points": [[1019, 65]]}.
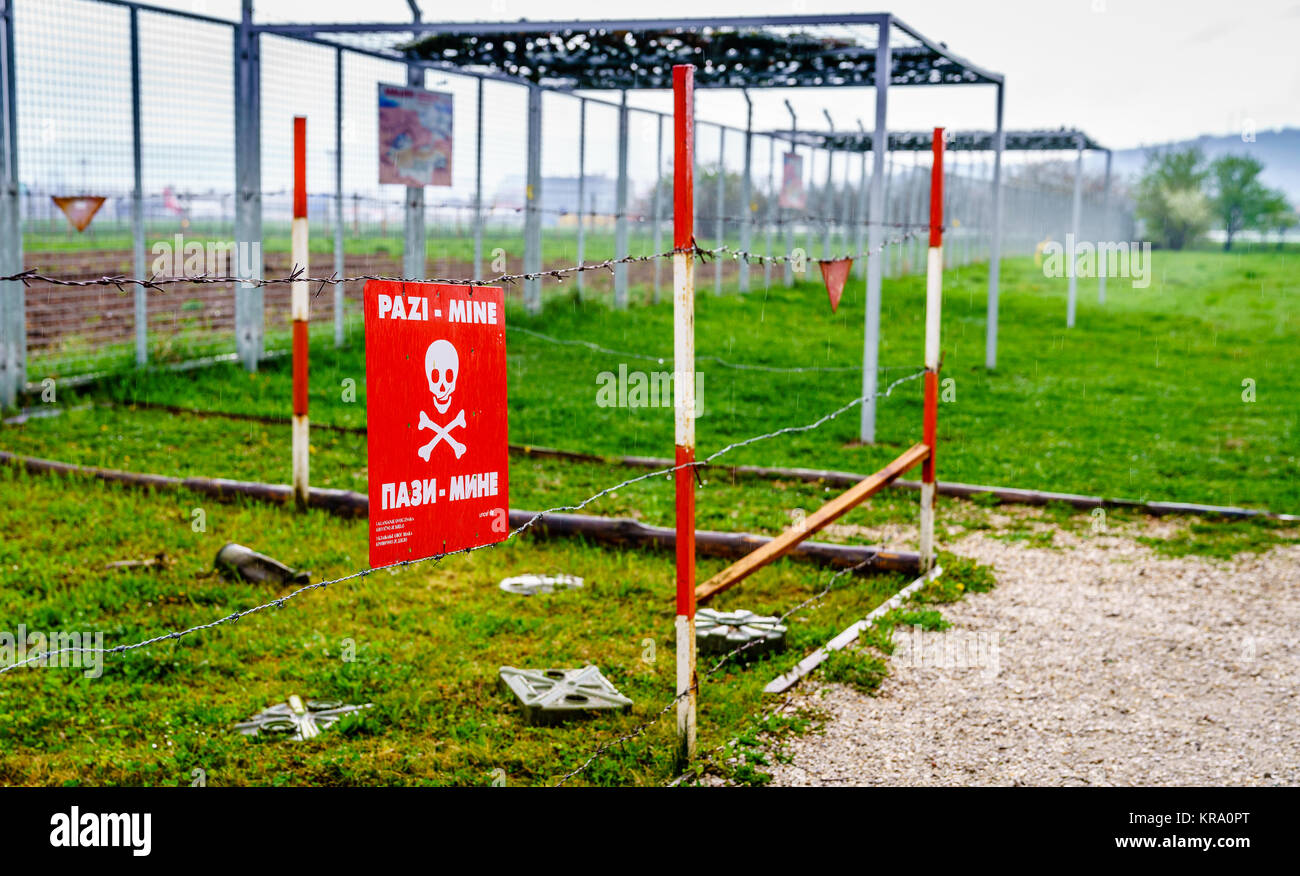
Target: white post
{"points": [[684, 399], [746, 196], [995, 242], [1076, 214], [876, 238], [933, 307], [533, 203], [137, 200], [1105, 232], [620, 220], [299, 304]]}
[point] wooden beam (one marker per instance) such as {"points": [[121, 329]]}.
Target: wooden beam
{"points": [[849, 636], [826, 514]]}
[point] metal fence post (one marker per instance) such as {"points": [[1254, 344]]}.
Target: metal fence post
{"points": [[657, 202], [995, 241], [830, 190], [137, 200], [620, 219], [13, 330], [720, 199], [340, 301], [249, 316], [1075, 215], [1105, 232], [533, 203], [478, 187], [415, 250], [746, 195], [582, 188], [859, 242], [786, 213], [871, 328], [771, 210]]}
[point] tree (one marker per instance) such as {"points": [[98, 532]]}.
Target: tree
{"points": [[1170, 200], [1240, 200], [1277, 215]]}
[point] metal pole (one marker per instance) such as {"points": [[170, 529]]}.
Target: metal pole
{"points": [[786, 213], [830, 196], [13, 331], [1075, 216], [137, 200], [658, 202], [933, 306], [300, 304], [582, 188], [1105, 231], [340, 300], [995, 241], [746, 196], [533, 203], [771, 210], [478, 190], [720, 198], [860, 242], [684, 399], [871, 330], [249, 317], [620, 220], [415, 249]]}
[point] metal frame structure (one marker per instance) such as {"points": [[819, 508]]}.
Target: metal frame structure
{"points": [[563, 56], [995, 142], [728, 52]]}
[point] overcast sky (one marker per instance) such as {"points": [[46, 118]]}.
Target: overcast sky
{"points": [[1128, 72]]}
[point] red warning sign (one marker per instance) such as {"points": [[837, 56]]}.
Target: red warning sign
{"points": [[79, 210], [436, 418]]}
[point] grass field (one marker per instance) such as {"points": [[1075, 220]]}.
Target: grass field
{"points": [[1142, 399]]}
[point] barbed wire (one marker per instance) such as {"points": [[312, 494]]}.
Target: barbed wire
{"points": [[641, 728], [320, 585], [298, 274]]}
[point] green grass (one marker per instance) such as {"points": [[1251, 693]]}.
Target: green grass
{"points": [[427, 639], [1142, 399]]}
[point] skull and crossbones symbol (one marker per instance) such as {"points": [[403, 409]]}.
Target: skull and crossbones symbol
{"points": [[441, 369]]}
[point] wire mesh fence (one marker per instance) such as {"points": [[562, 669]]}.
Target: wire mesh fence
{"points": [[173, 75]]}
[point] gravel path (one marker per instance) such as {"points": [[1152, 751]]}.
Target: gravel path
{"points": [[1097, 663]]}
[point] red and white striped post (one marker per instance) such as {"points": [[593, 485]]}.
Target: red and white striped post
{"points": [[684, 395], [300, 305], [933, 305]]}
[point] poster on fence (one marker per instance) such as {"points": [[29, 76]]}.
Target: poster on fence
{"points": [[793, 196], [414, 136], [436, 418]]}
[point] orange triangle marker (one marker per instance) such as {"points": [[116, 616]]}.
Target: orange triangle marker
{"points": [[79, 210], [835, 273]]}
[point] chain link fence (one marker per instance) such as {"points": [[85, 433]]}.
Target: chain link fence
{"points": [[102, 87]]}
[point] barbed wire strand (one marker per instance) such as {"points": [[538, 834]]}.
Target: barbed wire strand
{"points": [[640, 729], [297, 275], [308, 588]]}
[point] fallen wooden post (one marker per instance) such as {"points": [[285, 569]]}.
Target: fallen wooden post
{"points": [[606, 530], [826, 514], [849, 636]]}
